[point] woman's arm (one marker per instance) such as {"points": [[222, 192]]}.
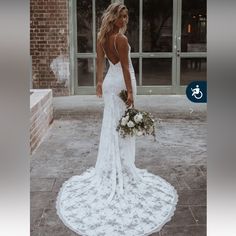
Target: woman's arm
{"points": [[100, 64], [100, 68], [123, 50]]}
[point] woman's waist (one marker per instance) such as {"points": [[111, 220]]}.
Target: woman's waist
{"points": [[120, 77], [119, 72]]}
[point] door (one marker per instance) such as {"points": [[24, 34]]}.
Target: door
{"points": [[167, 38]]}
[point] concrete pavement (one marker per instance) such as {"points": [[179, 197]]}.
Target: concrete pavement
{"points": [[71, 144]]}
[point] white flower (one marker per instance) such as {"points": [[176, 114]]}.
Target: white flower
{"points": [[124, 121], [130, 124], [139, 133], [138, 117]]}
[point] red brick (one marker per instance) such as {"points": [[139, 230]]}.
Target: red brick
{"points": [[47, 18]]}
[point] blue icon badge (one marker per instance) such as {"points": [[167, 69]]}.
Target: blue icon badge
{"points": [[196, 91]]}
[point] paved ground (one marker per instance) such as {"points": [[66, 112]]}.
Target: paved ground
{"points": [[71, 144]]}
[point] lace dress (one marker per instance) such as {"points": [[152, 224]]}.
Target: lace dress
{"points": [[116, 198]]}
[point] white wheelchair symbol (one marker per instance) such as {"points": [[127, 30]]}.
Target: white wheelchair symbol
{"points": [[197, 91]]}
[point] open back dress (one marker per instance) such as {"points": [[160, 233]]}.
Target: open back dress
{"points": [[114, 197]]}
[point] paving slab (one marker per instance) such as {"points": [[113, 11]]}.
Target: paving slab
{"points": [[71, 146], [199, 214], [189, 230], [166, 106]]}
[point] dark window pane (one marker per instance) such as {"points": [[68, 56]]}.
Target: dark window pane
{"points": [[193, 26], [133, 25], [85, 72], [157, 71], [135, 62], [84, 26], [192, 69], [101, 6], [157, 25]]}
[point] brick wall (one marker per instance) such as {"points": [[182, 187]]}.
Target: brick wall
{"points": [[48, 35], [41, 116]]}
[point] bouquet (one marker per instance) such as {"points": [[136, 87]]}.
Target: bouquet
{"points": [[135, 122]]}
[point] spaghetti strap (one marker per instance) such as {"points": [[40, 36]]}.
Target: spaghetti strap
{"points": [[115, 44]]}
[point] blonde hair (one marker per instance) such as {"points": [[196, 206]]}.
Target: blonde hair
{"points": [[110, 15]]}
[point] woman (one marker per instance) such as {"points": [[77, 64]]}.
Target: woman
{"points": [[115, 197]]}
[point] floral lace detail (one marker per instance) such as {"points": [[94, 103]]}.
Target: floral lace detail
{"points": [[115, 197]]}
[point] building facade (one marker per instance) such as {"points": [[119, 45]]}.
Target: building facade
{"points": [[167, 38]]}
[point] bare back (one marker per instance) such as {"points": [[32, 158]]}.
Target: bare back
{"points": [[110, 49], [116, 49]]}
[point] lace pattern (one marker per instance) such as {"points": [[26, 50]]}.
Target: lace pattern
{"points": [[115, 197]]}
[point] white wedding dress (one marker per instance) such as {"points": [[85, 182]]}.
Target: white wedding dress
{"points": [[116, 198]]}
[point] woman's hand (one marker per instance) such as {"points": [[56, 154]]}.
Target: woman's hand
{"points": [[99, 89], [130, 100]]}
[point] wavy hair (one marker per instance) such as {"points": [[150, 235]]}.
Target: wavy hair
{"points": [[109, 17]]}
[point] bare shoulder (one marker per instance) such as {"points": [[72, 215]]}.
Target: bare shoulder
{"points": [[121, 40]]}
